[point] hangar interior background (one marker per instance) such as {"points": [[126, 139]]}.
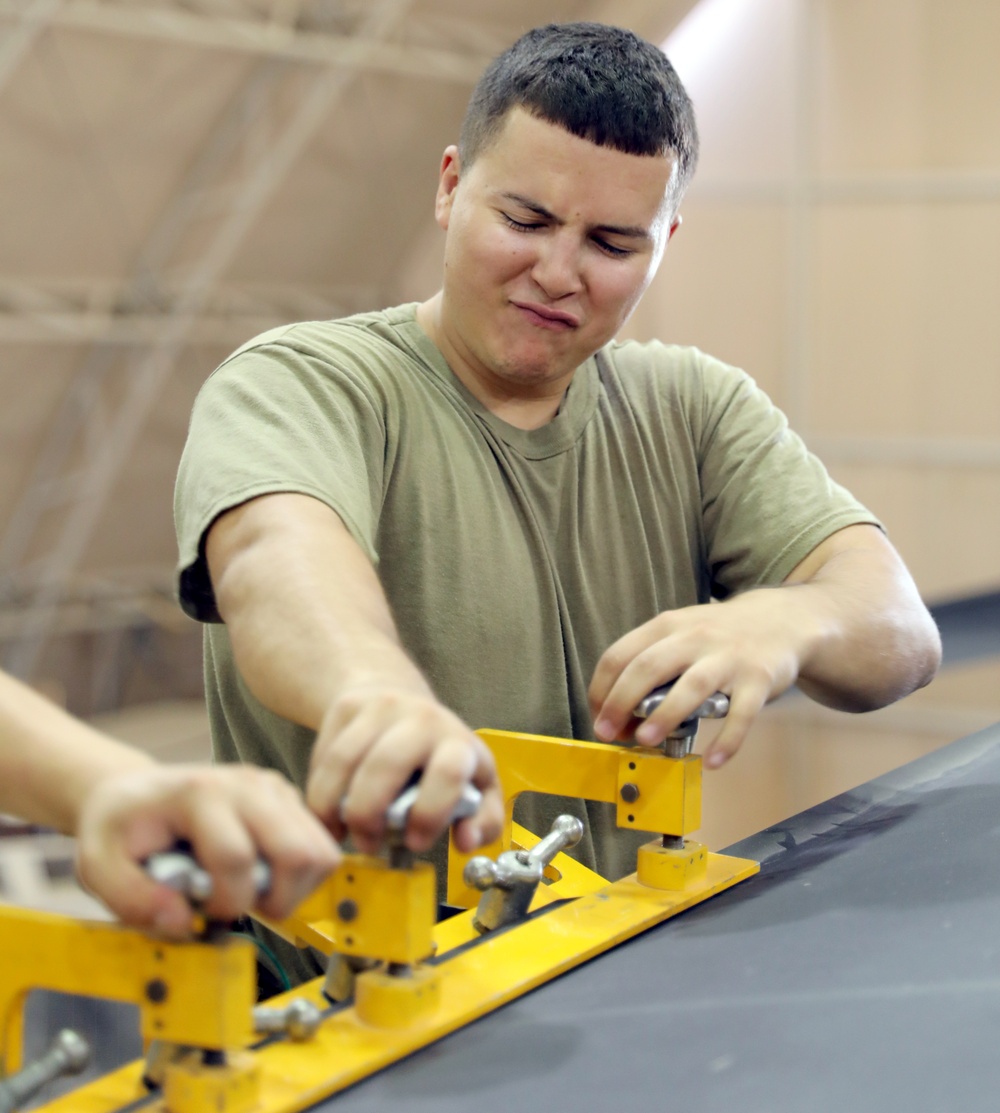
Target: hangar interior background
{"points": [[178, 175]]}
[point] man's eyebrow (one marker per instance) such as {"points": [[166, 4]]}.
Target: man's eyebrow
{"points": [[628, 231]]}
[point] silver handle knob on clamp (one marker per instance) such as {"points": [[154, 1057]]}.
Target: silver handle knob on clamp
{"points": [[69, 1054], [298, 1020], [181, 871], [680, 740], [508, 884], [398, 811]]}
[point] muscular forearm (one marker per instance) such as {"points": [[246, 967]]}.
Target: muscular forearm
{"points": [[49, 761], [305, 610], [875, 641], [314, 640], [847, 625]]}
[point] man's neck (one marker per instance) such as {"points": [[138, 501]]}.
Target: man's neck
{"points": [[527, 412]]}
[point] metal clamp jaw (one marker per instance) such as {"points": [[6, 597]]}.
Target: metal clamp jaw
{"points": [[180, 870], [509, 884], [655, 790], [374, 913]]}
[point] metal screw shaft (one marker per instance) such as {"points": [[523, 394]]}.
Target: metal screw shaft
{"points": [[69, 1054]]}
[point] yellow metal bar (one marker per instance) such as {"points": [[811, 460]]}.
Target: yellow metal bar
{"points": [[474, 981]]}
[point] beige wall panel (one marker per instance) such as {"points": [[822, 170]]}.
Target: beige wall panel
{"points": [[907, 84], [799, 754], [84, 174], [944, 521], [36, 375], [722, 287], [972, 687], [796, 758], [418, 275], [740, 73], [907, 333]]}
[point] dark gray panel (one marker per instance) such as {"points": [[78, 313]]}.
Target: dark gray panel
{"points": [[860, 971]]}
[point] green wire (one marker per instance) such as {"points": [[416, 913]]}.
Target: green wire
{"points": [[265, 950]]}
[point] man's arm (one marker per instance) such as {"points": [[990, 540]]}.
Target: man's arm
{"points": [[122, 806], [847, 625], [315, 641]]}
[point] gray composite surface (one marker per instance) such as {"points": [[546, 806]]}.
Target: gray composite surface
{"points": [[859, 971]]}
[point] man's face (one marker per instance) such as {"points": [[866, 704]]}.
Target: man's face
{"points": [[551, 241]]}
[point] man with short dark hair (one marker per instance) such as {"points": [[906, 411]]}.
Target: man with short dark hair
{"points": [[483, 511]]}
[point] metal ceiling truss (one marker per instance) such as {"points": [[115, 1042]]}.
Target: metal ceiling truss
{"points": [[264, 35], [68, 312], [93, 436]]}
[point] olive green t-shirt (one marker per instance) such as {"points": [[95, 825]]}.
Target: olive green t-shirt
{"points": [[511, 559]]}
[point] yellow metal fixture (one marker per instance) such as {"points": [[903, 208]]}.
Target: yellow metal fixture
{"points": [[402, 981], [652, 792]]}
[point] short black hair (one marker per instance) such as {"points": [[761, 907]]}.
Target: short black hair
{"points": [[601, 83]]}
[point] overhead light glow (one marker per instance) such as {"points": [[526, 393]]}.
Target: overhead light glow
{"points": [[703, 33]]}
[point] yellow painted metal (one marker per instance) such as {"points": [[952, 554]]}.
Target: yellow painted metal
{"points": [[667, 868], [669, 793], [474, 981], [191, 1087], [395, 909], [384, 1000], [190, 993], [669, 801], [369, 909]]}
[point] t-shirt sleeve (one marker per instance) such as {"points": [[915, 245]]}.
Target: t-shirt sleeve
{"points": [[767, 501], [276, 418]]}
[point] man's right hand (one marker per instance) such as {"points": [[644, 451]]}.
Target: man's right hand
{"points": [[371, 742], [230, 814], [318, 646]]}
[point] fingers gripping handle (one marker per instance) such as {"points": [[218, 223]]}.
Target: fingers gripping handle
{"points": [[398, 811], [179, 869], [681, 739], [715, 707]]}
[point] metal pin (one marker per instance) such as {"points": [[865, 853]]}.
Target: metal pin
{"points": [[69, 1054], [299, 1019]]}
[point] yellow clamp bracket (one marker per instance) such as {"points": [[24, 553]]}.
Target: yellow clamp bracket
{"points": [[199, 994], [369, 909], [652, 792]]}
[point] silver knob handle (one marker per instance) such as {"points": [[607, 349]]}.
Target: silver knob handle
{"points": [[69, 1054], [715, 707], [566, 832], [523, 867], [181, 871], [399, 810], [299, 1019]]}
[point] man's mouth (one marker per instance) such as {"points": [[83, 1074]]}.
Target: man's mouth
{"points": [[546, 317]]}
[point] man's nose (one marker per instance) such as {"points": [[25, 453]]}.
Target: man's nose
{"points": [[557, 266]]}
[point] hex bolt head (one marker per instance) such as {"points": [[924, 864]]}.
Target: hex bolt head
{"points": [[157, 991], [347, 910]]}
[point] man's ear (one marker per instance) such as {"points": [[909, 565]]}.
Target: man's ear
{"points": [[447, 184]]}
